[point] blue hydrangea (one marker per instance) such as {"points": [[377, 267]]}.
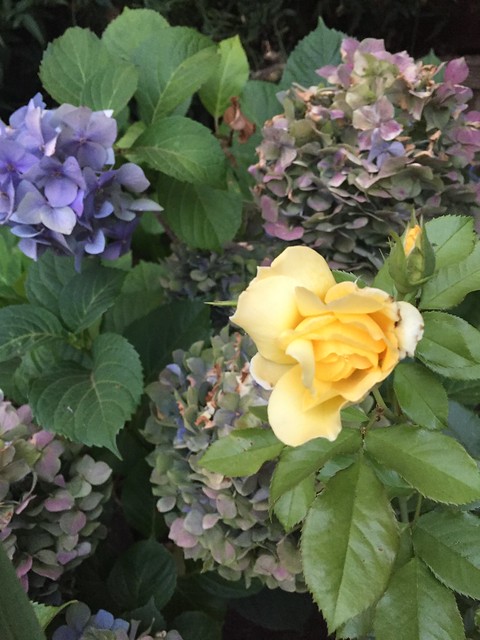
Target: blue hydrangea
{"points": [[58, 187]]}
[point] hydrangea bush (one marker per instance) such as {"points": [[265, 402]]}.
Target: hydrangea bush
{"points": [[52, 496], [205, 394], [346, 163]]}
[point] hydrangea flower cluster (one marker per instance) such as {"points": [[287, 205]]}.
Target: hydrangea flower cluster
{"points": [[345, 164], [51, 500], [80, 624], [57, 185], [222, 521]]}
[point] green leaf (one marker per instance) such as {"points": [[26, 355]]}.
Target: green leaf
{"points": [[144, 571], [112, 89], [46, 279], [172, 326], [123, 35], [23, 327], [417, 607], [421, 395], [46, 613], [242, 452], [319, 48], [196, 625], [12, 268], [452, 238], [202, 217], [88, 295], [349, 540], [358, 627], [228, 79], [183, 149], [259, 101], [17, 617], [188, 59], [447, 541], [298, 463], [91, 406], [138, 501], [434, 464], [449, 286], [292, 506], [464, 426], [149, 616], [450, 346]]}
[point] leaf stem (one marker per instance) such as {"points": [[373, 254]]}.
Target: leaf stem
{"points": [[402, 501], [381, 404], [417, 509]]}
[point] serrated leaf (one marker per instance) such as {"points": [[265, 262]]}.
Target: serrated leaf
{"points": [[46, 613], [228, 79], [450, 346], [319, 48], [200, 216], [169, 327], [449, 285], [417, 607], [188, 59], [447, 541], [91, 405], [358, 627], [421, 395], [349, 540], [452, 239], [292, 506], [23, 327], [17, 617], [88, 295], [464, 426], [112, 89], [298, 463], [70, 61], [124, 34], [242, 452], [434, 464], [144, 571], [259, 101], [46, 279], [183, 149]]}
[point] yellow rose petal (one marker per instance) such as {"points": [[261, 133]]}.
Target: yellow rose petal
{"points": [[303, 352], [291, 423], [266, 372]]}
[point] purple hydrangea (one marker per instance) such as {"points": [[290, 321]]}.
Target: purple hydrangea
{"points": [[58, 187]]}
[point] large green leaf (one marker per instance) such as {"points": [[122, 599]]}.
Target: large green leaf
{"points": [[13, 265], [228, 78], [452, 238], [298, 463], [91, 406], [144, 571], [449, 285], [292, 506], [46, 279], [434, 464], [171, 68], [197, 625], [447, 541], [421, 395], [88, 295], [349, 540], [259, 101], [321, 47], [242, 452], [183, 149], [124, 34], [110, 89], [450, 346], [417, 607], [464, 426], [141, 514], [17, 617], [200, 216], [23, 327]]}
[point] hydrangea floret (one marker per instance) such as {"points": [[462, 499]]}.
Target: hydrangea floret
{"points": [[51, 500], [58, 187], [345, 164], [224, 522]]}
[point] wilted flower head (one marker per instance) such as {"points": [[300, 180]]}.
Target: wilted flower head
{"points": [[222, 521], [57, 185], [345, 164], [51, 500]]}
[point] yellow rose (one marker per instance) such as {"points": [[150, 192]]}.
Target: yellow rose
{"points": [[321, 345], [410, 240]]}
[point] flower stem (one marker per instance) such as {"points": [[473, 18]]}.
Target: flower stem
{"points": [[402, 501], [381, 404]]}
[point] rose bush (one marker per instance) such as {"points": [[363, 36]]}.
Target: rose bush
{"points": [[322, 345]]}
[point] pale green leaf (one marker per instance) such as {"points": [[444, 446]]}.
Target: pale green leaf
{"points": [[183, 149], [91, 405], [242, 452], [132, 27], [421, 395], [434, 464], [447, 541], [46, 613], [349, 540], [110, 89], [292, 506], [199, 215], [452, 239], [228, 78], [417, 607], [23, 327]]}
